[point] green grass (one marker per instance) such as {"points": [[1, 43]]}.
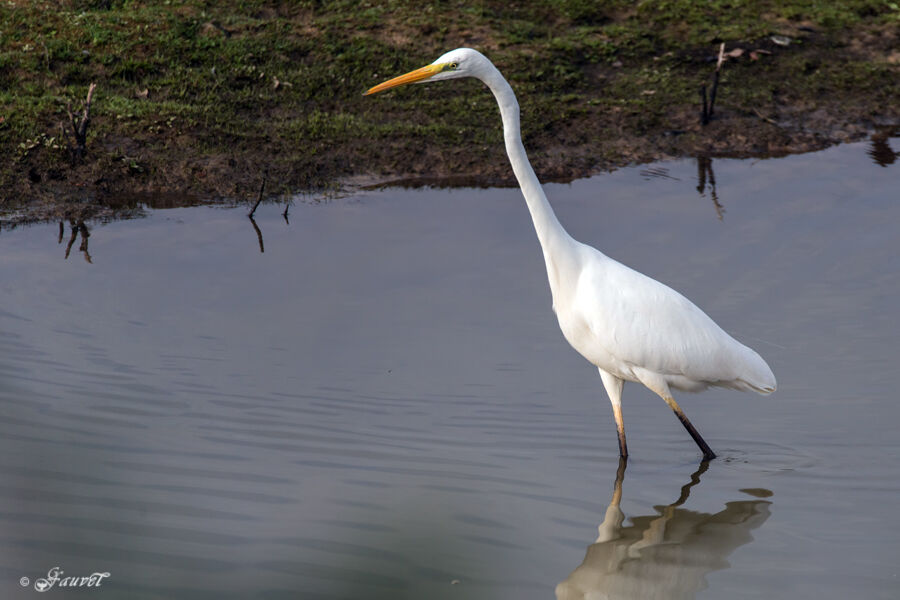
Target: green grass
{"points": [[251, 81]]}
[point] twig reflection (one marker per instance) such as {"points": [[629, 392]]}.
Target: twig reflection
{"points": [[666, 555], [705, 173], [85, 234], [71, 239], [259, 236], [78, 228], [880, 151]]}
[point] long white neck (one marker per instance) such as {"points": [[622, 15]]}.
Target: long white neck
{"points": [[548, 228]]}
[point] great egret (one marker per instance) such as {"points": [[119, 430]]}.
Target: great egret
{"points": [[631, 327]]}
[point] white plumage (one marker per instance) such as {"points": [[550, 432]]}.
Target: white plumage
{"points": [[631, 327], [634, 327]]}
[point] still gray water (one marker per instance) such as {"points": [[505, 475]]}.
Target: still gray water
{"points": [[381, 404]]}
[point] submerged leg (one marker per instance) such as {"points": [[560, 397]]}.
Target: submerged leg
{"points": [[620, 477], [708, 454], [613, 387]]}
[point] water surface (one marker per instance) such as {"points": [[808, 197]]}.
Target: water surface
{"points": [[381, 405]]}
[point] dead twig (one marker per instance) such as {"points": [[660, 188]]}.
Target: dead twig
{"points": [[704, 108], [80, 127], [707, 110], [259, 196], [764, 117], [715, 84]]}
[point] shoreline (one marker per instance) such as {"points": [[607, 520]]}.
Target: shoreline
{"points": [[207, 103]]}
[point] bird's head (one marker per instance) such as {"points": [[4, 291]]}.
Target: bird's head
{"points": [[462, 62]]}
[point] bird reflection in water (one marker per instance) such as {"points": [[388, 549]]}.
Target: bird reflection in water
{"points": [[666, 555]]}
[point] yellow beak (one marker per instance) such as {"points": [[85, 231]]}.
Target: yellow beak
{"points": [[411, 77]]}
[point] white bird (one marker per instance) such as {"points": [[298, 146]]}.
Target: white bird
{"points": [[631, 327]]}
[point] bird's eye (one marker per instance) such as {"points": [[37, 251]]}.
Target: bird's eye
{"points": [[453, 66]]}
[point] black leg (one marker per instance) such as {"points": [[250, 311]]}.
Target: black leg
{"points": [[708, 454]]}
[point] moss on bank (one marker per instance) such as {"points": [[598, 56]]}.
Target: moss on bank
{"points": [[201, 96]]}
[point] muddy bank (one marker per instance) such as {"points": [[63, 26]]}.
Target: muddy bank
{"points": [[205, 104]]}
